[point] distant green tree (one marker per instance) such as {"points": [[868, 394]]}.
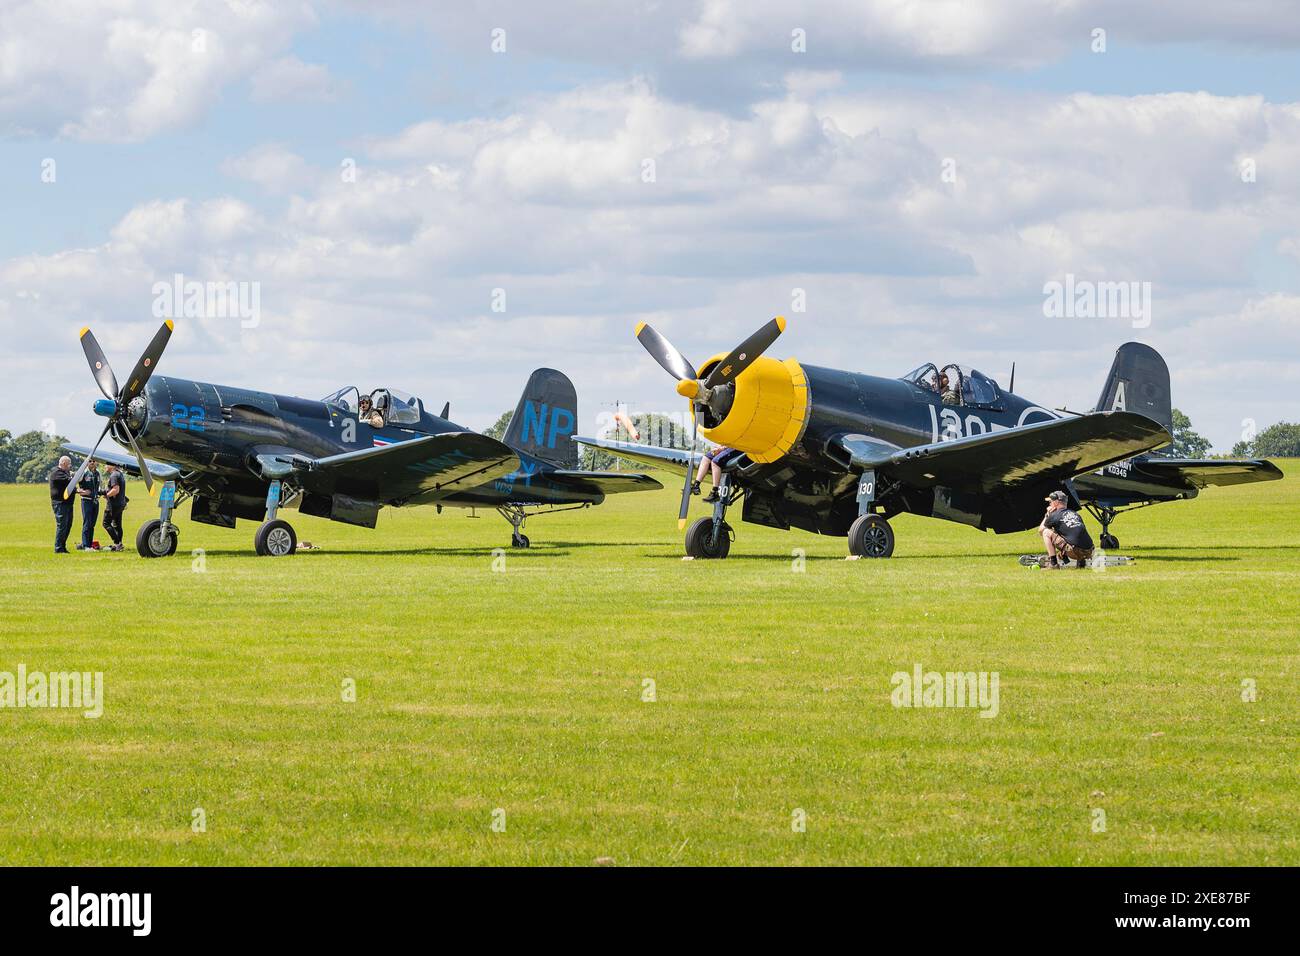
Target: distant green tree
{"points": [[29, 457], [1277, 441], [1187, 443], [658, 430], [498, 430]]}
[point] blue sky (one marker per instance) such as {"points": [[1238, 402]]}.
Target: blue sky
{"points": [[777, 170]]}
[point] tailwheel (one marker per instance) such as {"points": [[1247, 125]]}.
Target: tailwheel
{"points": [[1109, 541], [707, 541], [156, 539], [871, 537], [519, 540], [275, 539]]}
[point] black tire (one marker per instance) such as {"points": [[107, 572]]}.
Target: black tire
{"points": [[1109, 542], [871, 537], [275, 539], [520, 541], [701, 542], [152, 542]]}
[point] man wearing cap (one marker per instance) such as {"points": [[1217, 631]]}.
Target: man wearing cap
{"points": [[1064, 533]]}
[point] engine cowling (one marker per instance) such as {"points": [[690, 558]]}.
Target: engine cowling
{"points": [[768, 412]]}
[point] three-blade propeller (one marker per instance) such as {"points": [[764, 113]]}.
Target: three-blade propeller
{"points": [[698, 393], [120, 398]]}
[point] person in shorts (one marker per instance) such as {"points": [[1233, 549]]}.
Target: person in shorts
{"points": [[1064, 534]]}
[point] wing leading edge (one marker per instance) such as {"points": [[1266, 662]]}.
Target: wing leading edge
{"points": [[1044, 451], [432, 467]]}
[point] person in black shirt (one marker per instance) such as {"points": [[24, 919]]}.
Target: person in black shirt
{"points": [[88, 492], [1064, 534], [60, 478], [114, 503]]}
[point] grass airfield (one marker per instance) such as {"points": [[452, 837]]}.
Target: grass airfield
{"points": [[481, 690]]}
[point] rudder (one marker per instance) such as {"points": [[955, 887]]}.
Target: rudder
{"points": [[546, 418], [1138, 382]]}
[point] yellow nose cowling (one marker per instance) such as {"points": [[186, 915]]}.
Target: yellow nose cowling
{"points": [[770, 411]]}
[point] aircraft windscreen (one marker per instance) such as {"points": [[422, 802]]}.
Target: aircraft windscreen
{"points": [[925, 376], [403, 408], [977, 388], [346, 398]]}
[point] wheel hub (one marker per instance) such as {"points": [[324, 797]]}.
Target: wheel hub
{"points": [[278, 542]]}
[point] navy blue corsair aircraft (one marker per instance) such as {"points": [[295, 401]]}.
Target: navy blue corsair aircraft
{"points": [[246, 454], [839, 453]]}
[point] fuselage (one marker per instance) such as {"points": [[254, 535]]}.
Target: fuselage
{"points": [[792, 420], [217, 431]]}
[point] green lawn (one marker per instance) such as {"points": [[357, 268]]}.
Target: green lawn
{"points": [[476, 690]]}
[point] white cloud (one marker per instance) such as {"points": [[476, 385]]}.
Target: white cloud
{"points": [[290, 79], [838, 193], [273, 167], [126, 70]]}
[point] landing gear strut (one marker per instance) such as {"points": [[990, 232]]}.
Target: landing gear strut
{"points": [[1107, 540], [274, 538], [157, 538], [516, 515], [710, 538], [870, 536]]}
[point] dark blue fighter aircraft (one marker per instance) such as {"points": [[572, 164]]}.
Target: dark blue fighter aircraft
{"points": [[238, 453], [840, 453]]}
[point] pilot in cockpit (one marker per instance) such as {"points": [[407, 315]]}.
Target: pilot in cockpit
{"points": [[948, 392], [369, 414]]}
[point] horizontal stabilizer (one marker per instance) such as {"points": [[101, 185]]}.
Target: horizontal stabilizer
{"points": [[605, 482], [673, 459], [1203, 472]]}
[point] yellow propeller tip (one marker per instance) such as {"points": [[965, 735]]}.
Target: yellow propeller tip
{"points": [[171, 326], [780, 322], [84, 330], [639, 327], [681, 523]]}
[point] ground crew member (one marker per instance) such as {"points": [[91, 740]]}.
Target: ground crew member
{"points": [[1064, 534], [60, 478], [88, 490], [114, 505]]}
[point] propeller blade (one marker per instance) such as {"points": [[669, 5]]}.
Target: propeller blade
{"points": [[145, 367], [690, 474], [99, 366], [744, 355], [85, 463], [673, 361], [144, 468]]}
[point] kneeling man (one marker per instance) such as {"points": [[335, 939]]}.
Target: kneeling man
{"points": [[1064, 534]]}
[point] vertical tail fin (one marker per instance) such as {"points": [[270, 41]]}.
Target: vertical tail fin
{"points": [[546, 418], [1138, 382]]}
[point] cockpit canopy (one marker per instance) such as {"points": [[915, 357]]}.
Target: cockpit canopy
{"points": [[965, 386], [396, 406]]}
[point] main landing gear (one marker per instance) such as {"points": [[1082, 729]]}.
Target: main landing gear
{"points": [[870, 536], [157, 537], [275, 538], [1107, 540], [710, 538]]}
